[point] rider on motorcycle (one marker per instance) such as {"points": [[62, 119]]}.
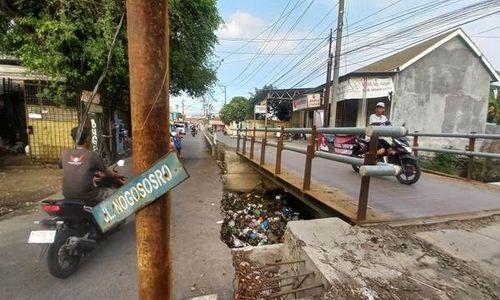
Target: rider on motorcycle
{"points": [[83, 169], [379, 119]]}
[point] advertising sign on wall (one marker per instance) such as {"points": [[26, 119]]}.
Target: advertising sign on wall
{"points": [[373, 87]]}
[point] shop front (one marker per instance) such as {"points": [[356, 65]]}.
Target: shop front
{"points": [[307, 111], [357, 98]]}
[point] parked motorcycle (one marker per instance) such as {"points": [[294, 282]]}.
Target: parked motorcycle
{"points": [[399, 153], [70, 233]]}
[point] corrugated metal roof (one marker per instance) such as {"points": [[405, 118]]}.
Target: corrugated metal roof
{"points": [[393, 62]]}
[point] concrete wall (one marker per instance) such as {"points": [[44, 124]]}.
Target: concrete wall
{"points": [[492, 129], [445, 91]]}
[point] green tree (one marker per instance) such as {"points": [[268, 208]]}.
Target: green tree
{"points": [[236, 111], [68, 40]]}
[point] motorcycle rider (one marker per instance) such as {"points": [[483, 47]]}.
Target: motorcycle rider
{"points": [[379, 119], [83, 169]]}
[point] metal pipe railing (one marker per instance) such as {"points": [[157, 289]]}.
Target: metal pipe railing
{"points": [[389, 131], [458, 135], [294, 149], [459, 152], [368, 166], [340, 158], [380, 170], [470, 149]]}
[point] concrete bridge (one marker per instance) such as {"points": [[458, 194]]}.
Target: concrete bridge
{"points": [[336, 187]]}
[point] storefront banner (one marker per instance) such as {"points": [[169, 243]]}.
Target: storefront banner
{"points": [[300, 103], [313, 100], [374, 87], [338, 144]]}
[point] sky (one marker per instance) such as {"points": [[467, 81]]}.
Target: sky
{"points": [[285, 42]]}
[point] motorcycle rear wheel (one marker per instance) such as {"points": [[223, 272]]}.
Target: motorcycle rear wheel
{"points": [[61, 263], [411, 172]]}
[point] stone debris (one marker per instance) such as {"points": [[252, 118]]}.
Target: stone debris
{"points": [[254, 219]]}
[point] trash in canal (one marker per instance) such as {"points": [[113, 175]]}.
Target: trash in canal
{"points": [[255, 218]]}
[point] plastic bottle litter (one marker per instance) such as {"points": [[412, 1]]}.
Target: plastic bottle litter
{"points": [[254, 218]]}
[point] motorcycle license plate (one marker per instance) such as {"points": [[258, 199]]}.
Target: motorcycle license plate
{"points": [[42, 237]]}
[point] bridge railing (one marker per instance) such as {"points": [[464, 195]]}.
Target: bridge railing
{"points": [[368, 165], [470, 150]]}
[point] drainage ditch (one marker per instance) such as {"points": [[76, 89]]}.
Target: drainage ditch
{"points": [[259, 217]]}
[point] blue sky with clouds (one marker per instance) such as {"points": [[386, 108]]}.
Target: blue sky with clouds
{"points": [[284, 41]]}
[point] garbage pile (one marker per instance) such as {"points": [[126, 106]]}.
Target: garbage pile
{"points": [[255, 218]]}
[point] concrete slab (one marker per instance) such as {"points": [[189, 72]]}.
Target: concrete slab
{"points": [[386, 263], [475, 247]]}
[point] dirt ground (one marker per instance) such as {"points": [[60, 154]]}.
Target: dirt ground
{"points": [[23, 184]]}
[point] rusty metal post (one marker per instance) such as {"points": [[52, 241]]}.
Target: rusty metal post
{"points": [[370, 159], [238, 140], [263, 148], [279, 151], [309, 158], [252, 143], [415, 143], [148, 52], [244, 151], [470, 165]]}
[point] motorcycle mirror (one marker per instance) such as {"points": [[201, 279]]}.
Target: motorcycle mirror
{"points": [[120, 163]]}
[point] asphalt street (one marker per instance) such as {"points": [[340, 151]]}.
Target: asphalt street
{"points": [[201, 265]]}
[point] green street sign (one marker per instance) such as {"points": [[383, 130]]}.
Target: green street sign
{"points": [[163, 176]]}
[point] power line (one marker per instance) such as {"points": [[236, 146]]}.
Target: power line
{"points": [[309, 33], [260, 66], [263, 31], [268, 40], [267, 37]]}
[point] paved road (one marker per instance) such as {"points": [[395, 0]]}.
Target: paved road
{"points": [[431, 196], [109, 272]]}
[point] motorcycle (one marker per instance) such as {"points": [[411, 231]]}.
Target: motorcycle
{"points": [[399, 153], [70, 233], [193, 132]]}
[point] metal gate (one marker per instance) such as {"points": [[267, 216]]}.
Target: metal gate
{"points": [[48, 123]]}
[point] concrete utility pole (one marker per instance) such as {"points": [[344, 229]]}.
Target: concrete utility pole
{"points": [[183, 115], [148, 54], [326, 96], [225, 95], [336, 66]]}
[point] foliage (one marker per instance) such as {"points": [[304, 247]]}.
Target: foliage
{"points": [[69, 40], [258, 94], [494, 107], [446, 163], [236, 111], [282, 109]]}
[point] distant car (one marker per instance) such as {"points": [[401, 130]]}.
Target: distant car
{"points": [[180, 128]]}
